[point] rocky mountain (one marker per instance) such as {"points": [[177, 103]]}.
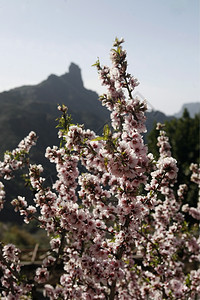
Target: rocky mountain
{"points": [[193, 109]]}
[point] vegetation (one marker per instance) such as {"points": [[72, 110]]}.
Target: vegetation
{"points": [[184, 137], [24, 237]]}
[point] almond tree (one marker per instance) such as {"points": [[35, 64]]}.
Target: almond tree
{"points": [[117, 227]]}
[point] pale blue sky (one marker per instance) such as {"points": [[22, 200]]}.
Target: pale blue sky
{"points": [[162, 39]]}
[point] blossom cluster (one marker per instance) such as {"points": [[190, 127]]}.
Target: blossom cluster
{"points": [[15, 160], [13, 286], [116, 225]]}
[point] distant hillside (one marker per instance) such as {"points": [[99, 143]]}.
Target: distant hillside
{"points": [[193, 109], [154, 117]]}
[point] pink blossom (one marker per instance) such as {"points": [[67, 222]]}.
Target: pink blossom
{"points": [[2, 195], [41, 275], [10, 252]]}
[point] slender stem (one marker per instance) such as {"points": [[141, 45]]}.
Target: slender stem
{"points": [[127, 87], [153, 245], [112, 290], [118, 256]]}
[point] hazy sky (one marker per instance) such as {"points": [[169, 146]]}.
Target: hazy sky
{"points": [[162, 39]]}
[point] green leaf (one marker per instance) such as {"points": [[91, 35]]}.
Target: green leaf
{"points": [[106, 163], [99, 138], [106, 131], [188, 280], [97, 64]]}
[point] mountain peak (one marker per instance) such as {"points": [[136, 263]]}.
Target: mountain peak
{"points": [[74, 69], [52, 77], [74, 75]]}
